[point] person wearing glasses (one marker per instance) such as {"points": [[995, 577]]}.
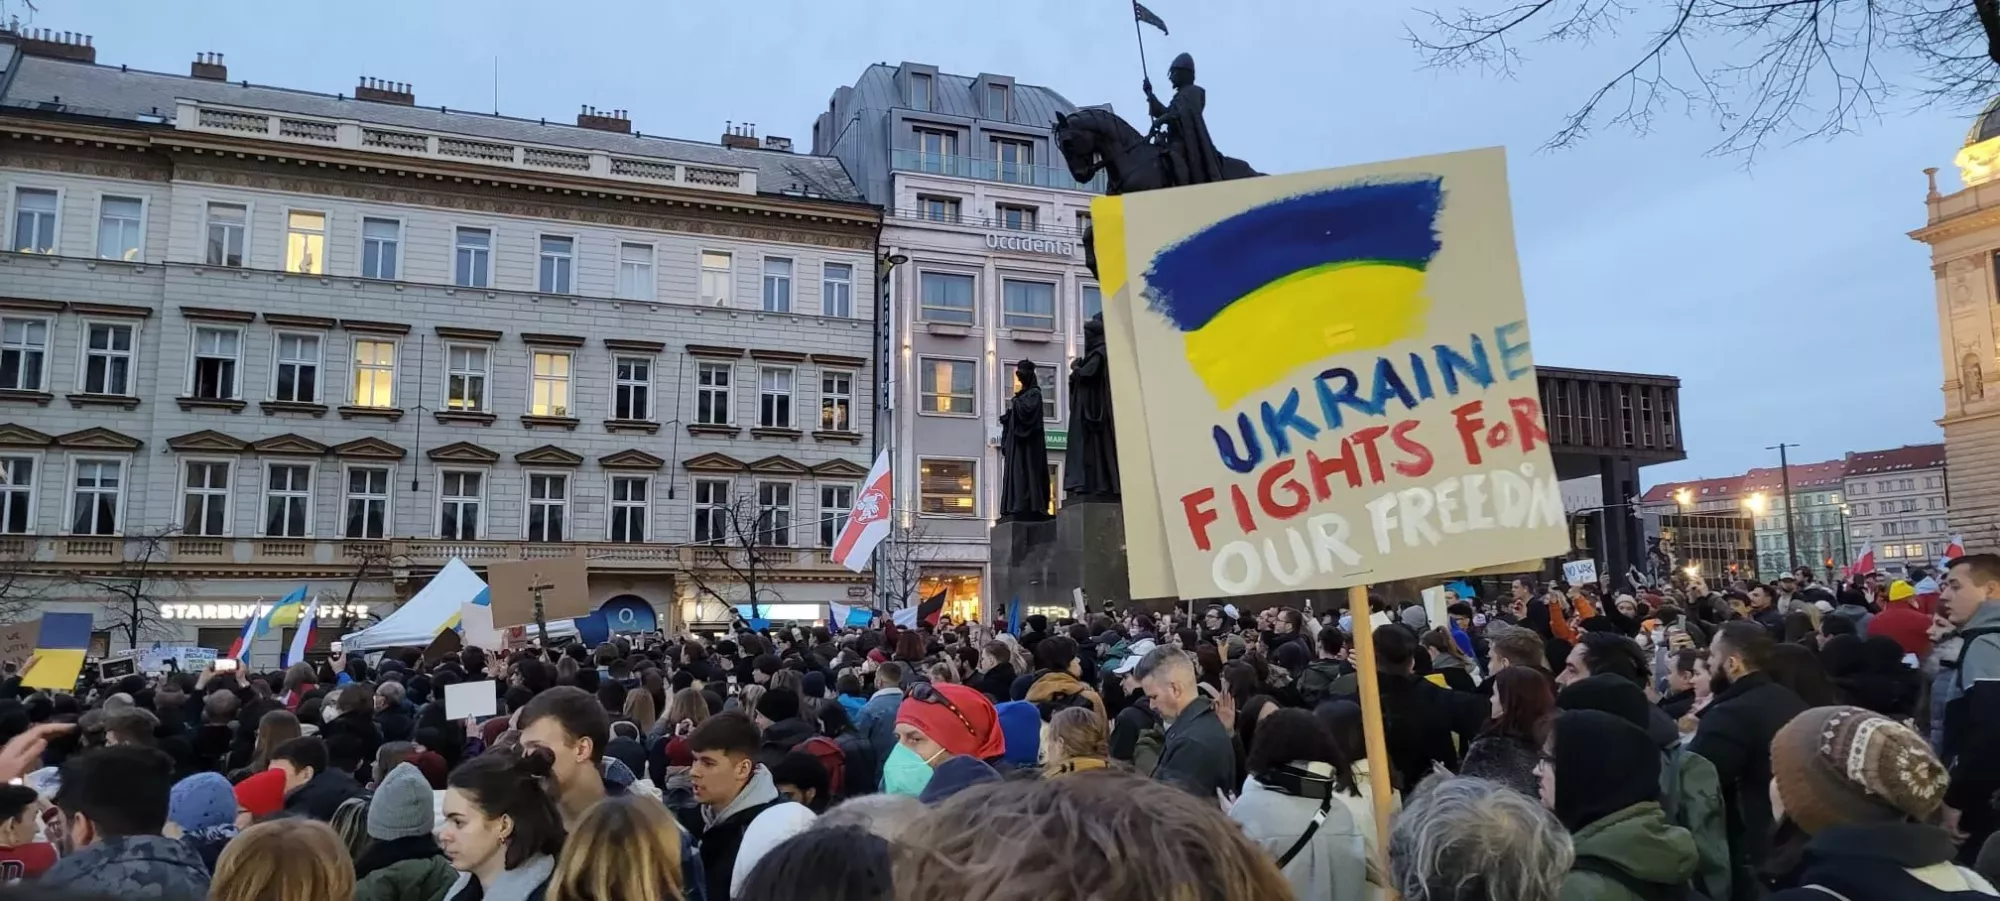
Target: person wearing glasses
{"points": [[953, 729]]}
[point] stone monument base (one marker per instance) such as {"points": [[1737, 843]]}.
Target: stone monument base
{"points": [[1043, 563]]}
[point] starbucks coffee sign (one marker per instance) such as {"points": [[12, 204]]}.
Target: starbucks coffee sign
{"points": [[1031, 244]]}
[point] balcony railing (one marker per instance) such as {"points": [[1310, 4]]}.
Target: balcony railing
{"points": [[993, 170], [336, 553], [988, 223]]}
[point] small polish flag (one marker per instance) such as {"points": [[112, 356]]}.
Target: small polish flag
{"points": [[1952, 551], [868, 522], [1864, 562]]}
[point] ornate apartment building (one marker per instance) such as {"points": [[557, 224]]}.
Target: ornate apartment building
{"points": [[253, 337]]}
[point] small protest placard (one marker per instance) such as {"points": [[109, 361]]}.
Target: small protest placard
{"points": [[1580, 572], [473, 699]]}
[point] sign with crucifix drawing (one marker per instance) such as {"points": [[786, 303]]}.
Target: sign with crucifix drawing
{"points": [[564, 583]]}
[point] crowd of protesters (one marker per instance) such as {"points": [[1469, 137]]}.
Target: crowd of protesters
{"points": [[1791, 739]]}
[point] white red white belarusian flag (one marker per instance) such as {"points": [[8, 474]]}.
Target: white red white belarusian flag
{"points": [[868, 522], [1864, 562], [1952, 551]]}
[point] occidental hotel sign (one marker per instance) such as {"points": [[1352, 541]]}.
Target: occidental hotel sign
{"points": [[1031, 244]]}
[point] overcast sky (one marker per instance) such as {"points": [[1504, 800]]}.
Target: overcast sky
{"points": [[1785, 296]]}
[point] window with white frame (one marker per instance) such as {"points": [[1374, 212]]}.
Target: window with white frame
{"points": [[295, 378], [945, 297], [17, 495], [774, 514], [1026, 304], [217, 355], [367, 502], [945, 386], [375, 373], [630, 496], [205, 498], [107, 358], [1017, 161], [460, 494], [836, 400], [947, 487], [120, 221], [466, 369], [97, 492], [548, 390], [548, 500], [632, 388], [287, 500], [933, 208], [774, 397], [1013, 217], [24, 353], [381, 247], [635, 271], [716, 278], [836, 290], [1092, 303], [557, 269], [711, 394], [225, 228], [305, 242], [472, 257], [1045, 377], [35, 211], [835, 502], [711, 511], [777, 285]]}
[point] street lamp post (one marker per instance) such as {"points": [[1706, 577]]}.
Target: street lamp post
{"points": [[1791, 533]]}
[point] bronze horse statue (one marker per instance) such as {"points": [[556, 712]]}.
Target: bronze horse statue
{"points": [[1094, 140]]}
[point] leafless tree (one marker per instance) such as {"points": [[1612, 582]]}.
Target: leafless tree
{"points": [[900, 561], [373, 562], [744, 543], [1763, 69], [22, 590], [133, 591]]}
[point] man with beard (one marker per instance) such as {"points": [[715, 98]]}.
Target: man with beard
{"points": [[1735, 735]]}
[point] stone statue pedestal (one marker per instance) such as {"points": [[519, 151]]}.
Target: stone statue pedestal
{"points": [[1043, 563]]}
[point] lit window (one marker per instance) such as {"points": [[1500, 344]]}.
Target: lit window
{"points": [[375, 374], [548, 394], [305, 243], [947, 487], [946, 387], [1045, 377], [836, 401], [715, 279]]}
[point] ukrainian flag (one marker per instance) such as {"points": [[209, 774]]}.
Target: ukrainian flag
{"points": [[284, 611], [1292, 282]]}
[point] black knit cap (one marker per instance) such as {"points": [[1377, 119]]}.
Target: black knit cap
{"points": [[1604, 764]]}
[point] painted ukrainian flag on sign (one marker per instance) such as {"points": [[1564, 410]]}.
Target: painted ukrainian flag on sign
{"points": [[1296, 280]]}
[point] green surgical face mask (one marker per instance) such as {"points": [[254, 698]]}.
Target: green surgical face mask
{"points": [[904, 773]]}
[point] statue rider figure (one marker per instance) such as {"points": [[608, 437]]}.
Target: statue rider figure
{"points": [[1191, 155]]}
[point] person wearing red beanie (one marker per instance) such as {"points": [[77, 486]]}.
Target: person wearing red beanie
{"points": [[259, 796], [940, 721]]}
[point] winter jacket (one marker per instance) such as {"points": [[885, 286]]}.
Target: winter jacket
{"points": [[1504, 759], [527, 882], [207, 844], [1052, 691], [1856, 614], [852, 705], [1641, 846], [1691, 795], [1315, 684], [1909, 626], [1735, 735], [781, 738], [877, 719], [725, 836], [395, 723], [997, 683], [132, 867], [1198, 754], [1333, 864], [1866, 861], [1426, 723], [357, 726], [403, 869], [322, 795], [1972, 727]]}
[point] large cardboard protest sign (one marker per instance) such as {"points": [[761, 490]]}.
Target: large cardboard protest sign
{"points": [[1337, 384], [565, 584], [1149, 574], [17, 640]]}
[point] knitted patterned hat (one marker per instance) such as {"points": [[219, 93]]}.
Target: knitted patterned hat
{"points": [[1836, 766]]}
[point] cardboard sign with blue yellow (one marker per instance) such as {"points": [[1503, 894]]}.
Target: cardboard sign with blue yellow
{"points": [[59, 652], [1335, 377]]}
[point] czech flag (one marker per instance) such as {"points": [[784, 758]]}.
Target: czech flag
{"points": [[1288, 284], [868, 522], [1952, 551], [302, 640]]}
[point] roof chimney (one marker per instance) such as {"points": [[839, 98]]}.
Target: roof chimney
{"points": [[57, 44], [613, 120], [209, 67], [397, 92], [739, 137]]}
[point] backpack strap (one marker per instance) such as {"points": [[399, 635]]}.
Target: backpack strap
{"points": [[1325, 804]]}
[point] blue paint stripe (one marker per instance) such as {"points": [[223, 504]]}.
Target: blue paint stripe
{"points": [[1393, 222]]}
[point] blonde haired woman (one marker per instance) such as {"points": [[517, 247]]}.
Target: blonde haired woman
{"points": [[651, 851], [1076, 741], [639, 709], [292, 859]]}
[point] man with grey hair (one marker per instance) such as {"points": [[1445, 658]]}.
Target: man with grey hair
{"points": [[1197, 753], [1466, 839], [393, 716]]}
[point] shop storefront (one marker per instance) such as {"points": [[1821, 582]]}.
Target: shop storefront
{"points": [[961, 589]]}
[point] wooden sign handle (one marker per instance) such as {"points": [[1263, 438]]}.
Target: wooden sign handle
{"points": [[1371, 721]]}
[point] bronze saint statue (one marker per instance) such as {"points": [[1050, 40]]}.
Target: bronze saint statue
{"points": [[1191, 155], [1092, 458], [1024, 453]]}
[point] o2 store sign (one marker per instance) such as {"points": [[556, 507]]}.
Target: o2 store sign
{"points": [[1031, 244]]}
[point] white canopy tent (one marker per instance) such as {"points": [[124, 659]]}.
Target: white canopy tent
{"points": [[421, 618]]}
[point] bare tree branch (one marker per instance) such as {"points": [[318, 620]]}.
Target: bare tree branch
{"points": [[132, 593], [746, 540], [1762, 69]]}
